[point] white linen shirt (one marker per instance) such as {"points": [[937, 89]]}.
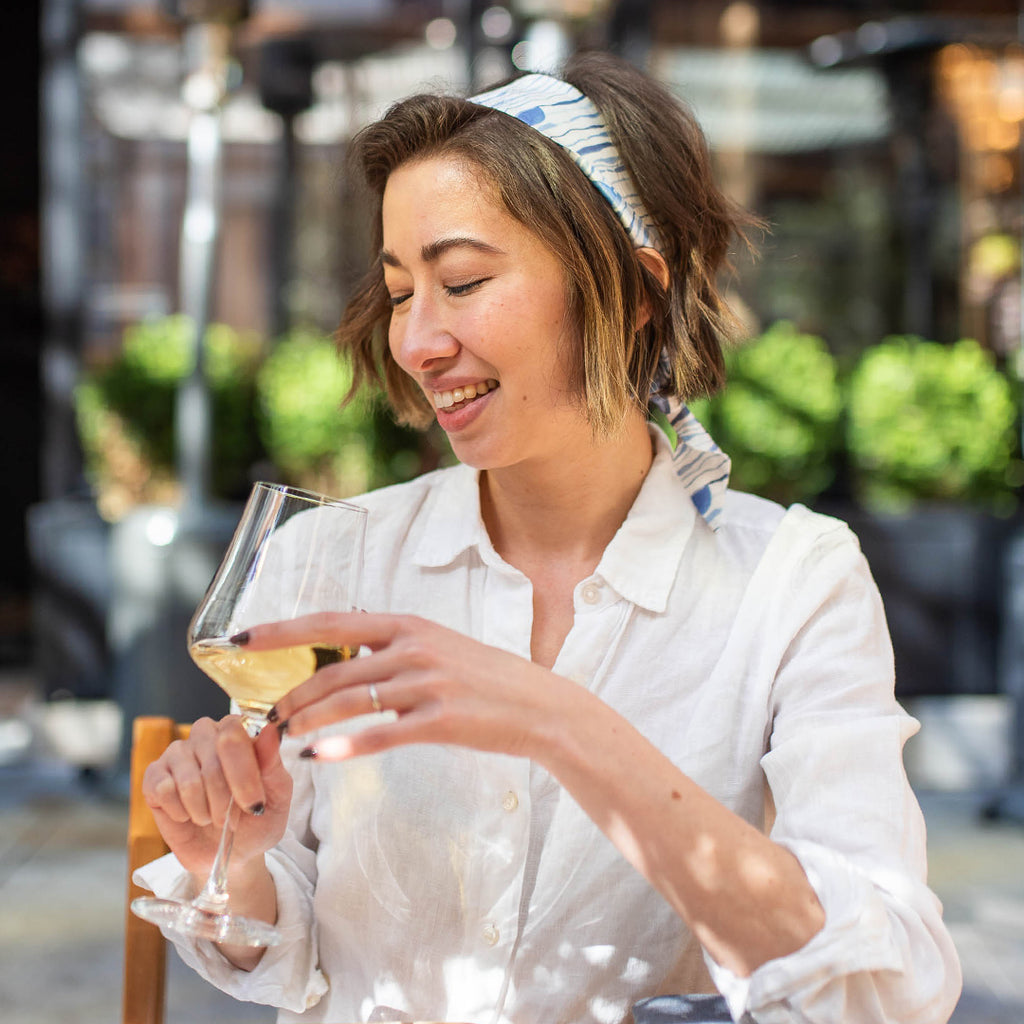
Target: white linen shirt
{"points": [[434, 882]]}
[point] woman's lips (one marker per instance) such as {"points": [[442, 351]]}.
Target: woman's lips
{"points": [[461, 396]]}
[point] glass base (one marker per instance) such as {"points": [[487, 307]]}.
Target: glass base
{"points": [[194, 921]]}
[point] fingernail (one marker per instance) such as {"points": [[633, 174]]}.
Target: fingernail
{"points": [[272, 713], [308, 752], [240, 639], [257, 809], [282, 727]]}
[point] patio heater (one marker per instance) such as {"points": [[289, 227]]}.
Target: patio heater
{"points": [[163, 558], [206, 41]]}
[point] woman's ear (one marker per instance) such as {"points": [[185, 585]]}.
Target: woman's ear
{"points": [[655, 264]]}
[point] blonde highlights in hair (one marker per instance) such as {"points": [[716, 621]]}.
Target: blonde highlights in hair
{"points": [[628, 334]]}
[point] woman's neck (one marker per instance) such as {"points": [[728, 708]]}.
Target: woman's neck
{"points": [[566, 510]]}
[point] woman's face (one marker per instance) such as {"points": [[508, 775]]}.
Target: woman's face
{"points": [[479, 316]]}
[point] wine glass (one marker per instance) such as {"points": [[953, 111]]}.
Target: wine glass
{"points": [[293, 553]]}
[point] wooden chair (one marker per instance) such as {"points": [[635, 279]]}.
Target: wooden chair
{"points": [[145, 950]]}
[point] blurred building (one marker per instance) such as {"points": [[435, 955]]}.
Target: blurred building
{"points": [[880, 140], [840, 123]]}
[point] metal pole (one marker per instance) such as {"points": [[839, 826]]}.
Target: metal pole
{"points": [[63, 264], [204, 92], [282, 229]]}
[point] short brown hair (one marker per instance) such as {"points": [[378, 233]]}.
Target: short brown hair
{"points": [[612, 365]]}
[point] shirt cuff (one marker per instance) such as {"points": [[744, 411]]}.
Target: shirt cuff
{"points": [[287, 976], [857, 936]]}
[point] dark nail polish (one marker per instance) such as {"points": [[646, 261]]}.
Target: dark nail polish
{"points": [[308, 752], [282, 727], [257, 809], [272, 715], [240, 639]]}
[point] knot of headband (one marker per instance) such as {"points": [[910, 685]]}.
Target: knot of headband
{"points": [[563, 114], [701, 465]]}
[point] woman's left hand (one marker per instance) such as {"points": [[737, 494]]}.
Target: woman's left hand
{"points": [[443, 687]]}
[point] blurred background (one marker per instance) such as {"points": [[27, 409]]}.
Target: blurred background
{"points": [[178, 241]]}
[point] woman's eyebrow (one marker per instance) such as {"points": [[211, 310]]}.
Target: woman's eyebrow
{"points": [[433, 250]]}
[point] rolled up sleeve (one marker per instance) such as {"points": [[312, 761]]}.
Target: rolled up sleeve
{"points": [[846, 811], [288, 976]]}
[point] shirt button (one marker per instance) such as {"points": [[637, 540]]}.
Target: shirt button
{"points": [[509, 801], [592, 593], [491, 934]]}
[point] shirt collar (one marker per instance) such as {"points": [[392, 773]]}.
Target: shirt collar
{"points": [[453, 522], [641, 562]]}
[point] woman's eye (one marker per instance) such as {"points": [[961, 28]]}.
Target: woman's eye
{"points": [[397, 300], [465, 289]]}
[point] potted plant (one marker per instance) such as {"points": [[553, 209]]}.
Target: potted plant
{"points": [[314, 439], [125, 409], [278, 415], [778, 417], [932, 450]]}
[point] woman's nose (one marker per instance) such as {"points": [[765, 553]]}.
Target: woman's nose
{"points": [[419, 338]]}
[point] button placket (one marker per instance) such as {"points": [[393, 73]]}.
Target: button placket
{"points": [[499, 873], [595, 634]]}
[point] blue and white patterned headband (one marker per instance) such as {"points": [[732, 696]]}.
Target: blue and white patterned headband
{"points": [[563, 114], [701, 465]]}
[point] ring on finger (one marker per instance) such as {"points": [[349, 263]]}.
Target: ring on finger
{"points": [[375, 699]]}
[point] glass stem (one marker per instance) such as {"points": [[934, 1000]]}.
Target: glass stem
{"points": [[215, 893]]}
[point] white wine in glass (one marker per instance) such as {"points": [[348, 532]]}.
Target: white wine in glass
{"points": [[293, 553], [257, 680]]}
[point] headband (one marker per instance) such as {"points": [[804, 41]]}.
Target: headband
{"points": [[563, 114], [701, 465]]}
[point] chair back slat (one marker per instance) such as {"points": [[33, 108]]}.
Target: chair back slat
{"points": [[145, 951]]}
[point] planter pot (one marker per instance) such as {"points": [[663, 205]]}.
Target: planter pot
{"points": [[940, 570], [161, 564], [110, 608], [965, 743], [69, 549]]}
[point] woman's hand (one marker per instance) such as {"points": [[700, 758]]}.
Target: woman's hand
{"points": [[443, 687], [746, 898], [189, 788]]}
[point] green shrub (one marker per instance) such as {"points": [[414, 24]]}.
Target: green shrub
{"points": [[313, 438], [932, 422], [288, 406], [125, 408], [924, 421], [778, 415]]}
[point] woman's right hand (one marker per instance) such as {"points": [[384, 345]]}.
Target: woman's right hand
{"points": [[190, 785]]}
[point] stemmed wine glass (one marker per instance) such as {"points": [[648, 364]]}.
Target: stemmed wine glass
{"points": [[293, 553]]}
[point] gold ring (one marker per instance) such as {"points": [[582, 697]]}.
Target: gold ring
{"points": [[375, 699]]}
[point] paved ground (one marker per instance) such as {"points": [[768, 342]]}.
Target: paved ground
{"points": [[62, 885], [62, 879]]}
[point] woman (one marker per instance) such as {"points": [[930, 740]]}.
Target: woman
{"points": [[596, 666]]}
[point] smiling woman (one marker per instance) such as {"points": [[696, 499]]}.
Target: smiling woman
{"points": [[478, 297], [541, 796]]}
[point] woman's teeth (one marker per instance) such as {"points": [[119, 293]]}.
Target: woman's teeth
{"points": [[447, 399]]}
